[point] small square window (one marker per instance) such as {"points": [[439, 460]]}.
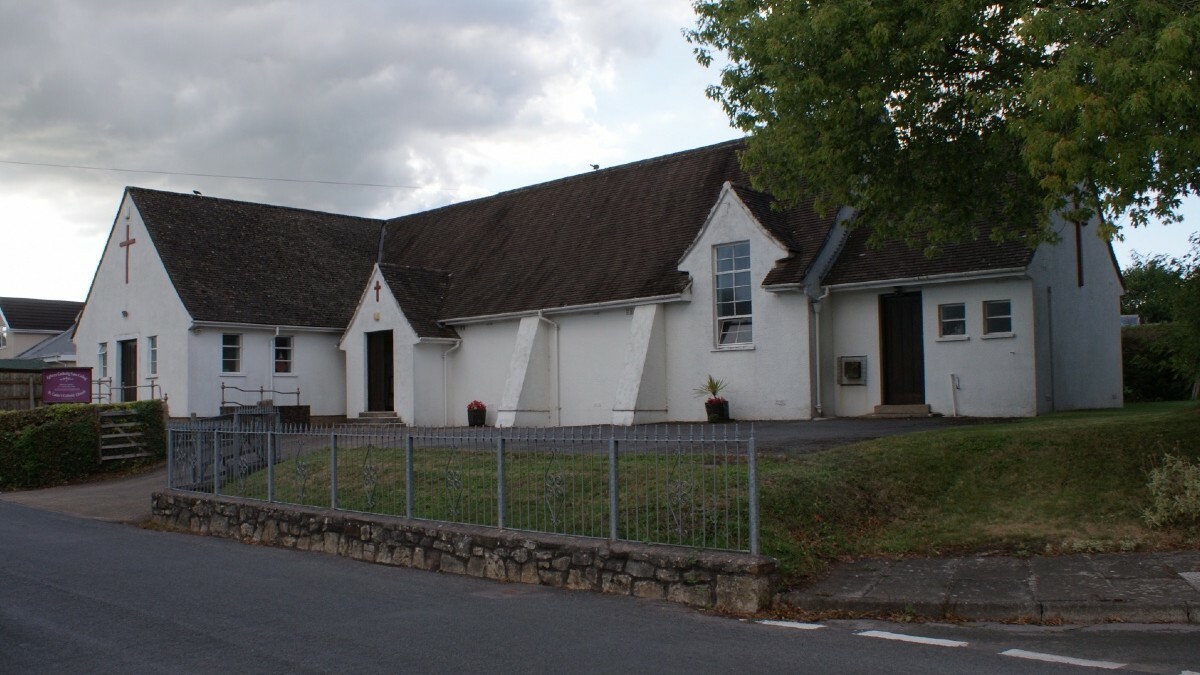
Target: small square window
{"points": [[952, 319], [997, 316], [283, 354], [231, 353]]}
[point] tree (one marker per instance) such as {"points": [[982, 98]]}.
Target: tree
{"points": [[1152, 285], [1187, 318], [931, 117]]}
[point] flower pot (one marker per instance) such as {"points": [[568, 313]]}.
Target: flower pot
{"points": [[717, 411], [476, 418]]}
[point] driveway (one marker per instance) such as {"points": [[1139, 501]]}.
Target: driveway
{"points": [[805, 436], [119, 500]]}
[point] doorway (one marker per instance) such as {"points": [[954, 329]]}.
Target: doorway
{"points": [[903, 350], [128, 370], [380, 372]]}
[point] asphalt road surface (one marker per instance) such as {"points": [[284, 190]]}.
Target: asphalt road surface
{"points": [[90, 596]]}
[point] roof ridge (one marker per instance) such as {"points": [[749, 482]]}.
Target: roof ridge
{"points": [[228, 200], [576, 177]]}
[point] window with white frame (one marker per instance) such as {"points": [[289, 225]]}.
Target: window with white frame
{"points": [[231, 353], [731, 288], [102, 360], [997, 317], [283, 353], [952, 319], [3, 337], [152, 350]]}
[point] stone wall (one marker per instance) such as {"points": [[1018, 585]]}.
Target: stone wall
{"points": [[732, 582]]}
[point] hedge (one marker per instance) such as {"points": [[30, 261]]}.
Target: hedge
{"points": [[55, 444]]}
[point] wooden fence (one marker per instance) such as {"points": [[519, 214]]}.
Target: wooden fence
{"points": [[20, 390]]}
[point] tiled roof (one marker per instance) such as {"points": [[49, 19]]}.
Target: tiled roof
{"points": [[614, 234], [859, 263], [241, 262], [34, 314], [420, 293]]}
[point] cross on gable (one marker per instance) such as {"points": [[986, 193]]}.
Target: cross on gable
{"points": [[377, 287], [129, 241]]}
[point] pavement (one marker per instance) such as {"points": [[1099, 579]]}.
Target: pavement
{"points": [[1085, 588]]}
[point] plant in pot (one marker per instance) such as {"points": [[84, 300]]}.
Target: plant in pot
{"points": [[715, 405], [476, 414]]}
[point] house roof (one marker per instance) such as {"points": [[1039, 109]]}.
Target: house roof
{"points": [[859, 263], [802, 230], [43, 315], [420, 293], [602, 236], [259, 264], [53, 347]]}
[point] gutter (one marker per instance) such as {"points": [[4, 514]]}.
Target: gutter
{"points": [[934, 279], [196, 325]]}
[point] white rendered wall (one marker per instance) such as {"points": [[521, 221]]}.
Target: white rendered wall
{"points": [[317, 370], [767, 380], [1080, 326], [994, 375], [148, 305], [479, 367]]}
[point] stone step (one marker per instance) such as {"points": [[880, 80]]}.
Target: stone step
{"points": [[376, 417]]}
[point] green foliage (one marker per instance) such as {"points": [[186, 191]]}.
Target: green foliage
{"points": [[1149, 358], [1152, 286], [1186, 337], [711, 388], [1174, 487], [930, 116], [54, 444]]}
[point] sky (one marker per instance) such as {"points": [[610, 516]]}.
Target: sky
{"points": [[364, 107]]}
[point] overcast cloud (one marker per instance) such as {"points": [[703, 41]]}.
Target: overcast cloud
{"points": [[459, 97]]}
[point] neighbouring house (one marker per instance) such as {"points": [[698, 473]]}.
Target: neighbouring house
{"points": [[603, 298], [56, 350], [26, 322]]}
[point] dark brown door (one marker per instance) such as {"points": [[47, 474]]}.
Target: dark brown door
{"points": [[903, 353], [128, 370], [380, 371]]}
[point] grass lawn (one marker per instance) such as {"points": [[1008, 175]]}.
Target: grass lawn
{"points": [[1067, 482]]}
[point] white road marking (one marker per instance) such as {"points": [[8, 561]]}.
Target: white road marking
{"points": [[792, 624], [1054, 658], [938, 642]]}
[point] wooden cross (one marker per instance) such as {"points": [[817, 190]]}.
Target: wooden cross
{"points": [[377, 287], [129, 241]]}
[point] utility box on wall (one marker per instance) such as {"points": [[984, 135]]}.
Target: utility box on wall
{"points": [[852, 370]]}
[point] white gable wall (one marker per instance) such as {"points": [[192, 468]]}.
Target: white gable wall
{"points": [[373, 315], [1079, 326], [767, 380], [148, 305]]}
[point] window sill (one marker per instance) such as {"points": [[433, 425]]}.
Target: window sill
{"points": [[952, 338], [734, 348], [286, 375], [997, 336], [233, 374]]}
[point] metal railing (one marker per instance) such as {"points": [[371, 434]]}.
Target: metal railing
{"points": [[261, 391], [672, 484]]}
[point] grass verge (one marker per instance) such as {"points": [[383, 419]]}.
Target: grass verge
{"points": [[1068, 482]]}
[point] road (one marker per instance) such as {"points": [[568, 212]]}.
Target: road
{"points": [[89, 596]]}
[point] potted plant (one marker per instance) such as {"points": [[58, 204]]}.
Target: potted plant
{"points": [[476, 414], [715, 405]]}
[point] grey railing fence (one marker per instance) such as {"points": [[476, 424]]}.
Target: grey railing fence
{"points": [[672, 484]]}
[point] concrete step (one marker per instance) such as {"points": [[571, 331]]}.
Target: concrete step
{"points": [[376, 417], [902, 411]]}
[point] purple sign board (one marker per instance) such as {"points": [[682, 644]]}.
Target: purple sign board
{"points": [[67, 385]]}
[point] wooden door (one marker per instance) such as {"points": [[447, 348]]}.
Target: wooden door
{"points": [[380, 372], [129, 378], [902, 351]]}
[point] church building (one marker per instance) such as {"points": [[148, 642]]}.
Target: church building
{"points": [[602, 298]]}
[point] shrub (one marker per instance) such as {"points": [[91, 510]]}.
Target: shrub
{"points": [[1148, 359], [1174, 493], [58, 443]]}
